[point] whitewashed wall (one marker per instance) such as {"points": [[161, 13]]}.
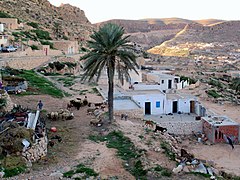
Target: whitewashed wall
{"points": [[168, 106], [153, 98], [184, 105]]}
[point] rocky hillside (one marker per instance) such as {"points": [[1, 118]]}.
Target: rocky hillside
{"points": [[152, 32], [147, 32], [66, 19], [223, 35], [145, 25]]}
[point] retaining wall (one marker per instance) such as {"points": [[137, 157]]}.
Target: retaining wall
{"points": [[37, 151], [180, 128]]}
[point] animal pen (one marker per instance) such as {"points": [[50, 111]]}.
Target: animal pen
{"points": [[217, 128]]}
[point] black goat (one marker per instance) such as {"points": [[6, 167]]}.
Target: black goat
{"points": [[159, 128]]}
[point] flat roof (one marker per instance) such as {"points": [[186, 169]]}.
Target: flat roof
{"points": [[119, 92], [162, 75], [124, 104], [179, 96], [220, 121], [144, 92]]}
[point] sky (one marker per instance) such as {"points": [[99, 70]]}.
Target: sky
{"points": [[102, 10]]}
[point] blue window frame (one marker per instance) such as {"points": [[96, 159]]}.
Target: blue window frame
{"points": [[157, 104]]}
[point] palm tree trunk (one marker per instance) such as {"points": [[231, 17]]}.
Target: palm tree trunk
{"points": [[110, 72]]}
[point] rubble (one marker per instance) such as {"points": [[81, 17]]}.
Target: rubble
{"points": [[19, 139]]}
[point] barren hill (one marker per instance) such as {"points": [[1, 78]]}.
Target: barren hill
{"points": [[71, 21], [194, 36], [147, 32], [208, 22], [154, 31], [176, 21], [144, 25]]}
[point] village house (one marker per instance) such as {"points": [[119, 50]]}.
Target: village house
{"points": [[157, 80], [217, 128], [3, 39], [10, 23], [67, 47]]}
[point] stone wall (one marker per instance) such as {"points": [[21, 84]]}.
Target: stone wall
{"points": [[26, 62], [181, 128], [68, 47], [37, 151], [9, 23]]}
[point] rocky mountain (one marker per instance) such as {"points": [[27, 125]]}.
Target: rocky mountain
{"points": [[66, 19]]}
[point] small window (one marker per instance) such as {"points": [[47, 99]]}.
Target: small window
{"points": [[162, 81], [158, 104]]}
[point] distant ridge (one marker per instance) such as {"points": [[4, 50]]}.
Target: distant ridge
{"points": [[225, 33], [207, 22]]}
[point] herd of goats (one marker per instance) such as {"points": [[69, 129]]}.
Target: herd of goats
{"points": [[96, 109]]}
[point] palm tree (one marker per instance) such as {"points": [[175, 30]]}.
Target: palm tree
{"points": [[109, 49]]}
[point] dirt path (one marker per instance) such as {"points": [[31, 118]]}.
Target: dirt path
{"points": [[75, 147]]}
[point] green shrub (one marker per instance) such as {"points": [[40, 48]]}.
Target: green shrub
{"points": [[215, 83], [138, 170], [166, 172], [167, 150], [58, 65], [41, 34], [34, 47], [10, 172], [65, 37], [3, 102], [80, 169], [47, 43], [4, 15], [40, 84], [190, 80], [33, 24], [213, 93], [70, 64]]}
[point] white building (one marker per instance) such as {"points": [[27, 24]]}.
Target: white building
{"points": [[160, 81], [152, 101]]}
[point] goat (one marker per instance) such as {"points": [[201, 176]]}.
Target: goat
{"points": [[75, 103], [95, 122], [148, 123], [69, 106], [159, 128], [90, 111], [125, 116]]}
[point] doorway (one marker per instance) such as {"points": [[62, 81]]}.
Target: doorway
{"points": [[147, 108], [175, 107], [169, 84], [192, 106]]}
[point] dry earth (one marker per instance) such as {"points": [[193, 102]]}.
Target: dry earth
{"points": [[76, 148]]}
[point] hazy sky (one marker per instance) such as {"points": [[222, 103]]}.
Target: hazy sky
{"points": [[101, 10]]}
